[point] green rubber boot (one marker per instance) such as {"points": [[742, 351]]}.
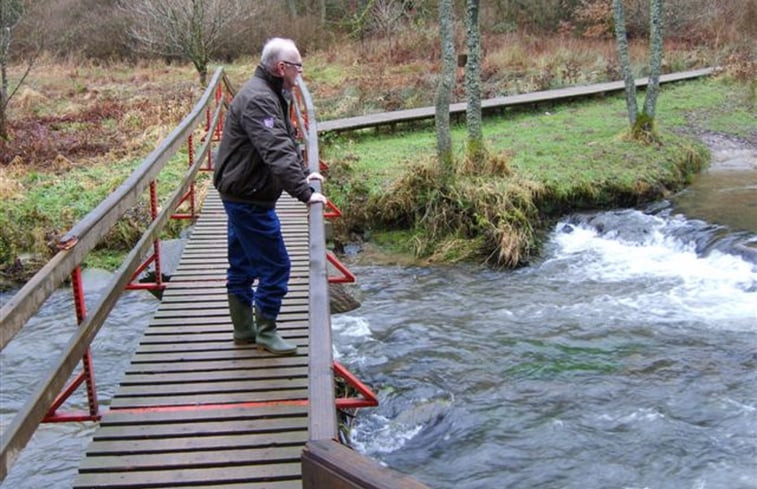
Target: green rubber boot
{"points": [[242, 319], [268, 339]]}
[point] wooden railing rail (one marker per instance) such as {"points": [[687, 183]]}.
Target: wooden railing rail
{"points": [[75, 245], [325, 462], [322, 405]]}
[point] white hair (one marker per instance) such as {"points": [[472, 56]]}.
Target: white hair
{"points": [[275, 50]]}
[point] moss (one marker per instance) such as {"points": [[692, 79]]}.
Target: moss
{"points": [[644, 129]]}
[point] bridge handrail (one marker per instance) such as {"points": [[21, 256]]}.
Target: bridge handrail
{"points": [[91, 229], [321, 407], [325, 462], [75, 245]]}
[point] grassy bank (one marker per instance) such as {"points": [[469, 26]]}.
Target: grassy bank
{"points": [[560, 158]]}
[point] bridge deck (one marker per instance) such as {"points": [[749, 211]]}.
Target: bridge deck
{"points": [[195, 410]]}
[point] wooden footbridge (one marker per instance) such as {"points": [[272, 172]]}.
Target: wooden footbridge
{"points": [[193, 409]]}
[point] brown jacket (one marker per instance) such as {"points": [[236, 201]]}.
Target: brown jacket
{"points": [[258, 157]]}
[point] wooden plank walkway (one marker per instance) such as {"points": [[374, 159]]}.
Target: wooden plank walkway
{"points": [[193, 409], [568, 93]]}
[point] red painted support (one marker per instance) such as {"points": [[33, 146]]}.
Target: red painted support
{"points": [[190, 195], [219, 127], [157, 284], [346, 277], [369, 399], [87, 374], [156, 244], [335, 212]]}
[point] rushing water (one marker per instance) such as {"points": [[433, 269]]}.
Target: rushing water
{"points": [[626, 357], [609, 364], [51, 459]]}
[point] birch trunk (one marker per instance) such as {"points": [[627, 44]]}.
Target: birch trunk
{"points": [[625, 60], [475, 146], [655, 64], [444, 89]]}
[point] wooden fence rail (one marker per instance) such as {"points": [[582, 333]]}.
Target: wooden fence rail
{"points": [[75, 246]]}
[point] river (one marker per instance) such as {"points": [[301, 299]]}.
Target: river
{"points": [[625, 357]]}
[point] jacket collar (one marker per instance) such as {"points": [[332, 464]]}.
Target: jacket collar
{"points": [[275, 82]]}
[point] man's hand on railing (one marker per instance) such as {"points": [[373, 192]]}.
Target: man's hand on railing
{"points": [[317, 197], [315, 176]]}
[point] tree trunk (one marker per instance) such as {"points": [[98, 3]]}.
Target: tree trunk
{"points": [[203, 76], [3, 119], [10, 15], [292, 6], [625, 59], [475, 146], [3, 100], [655, 64], [444, 89]]}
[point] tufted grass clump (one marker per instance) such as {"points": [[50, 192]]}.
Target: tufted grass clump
{"points": [[490, 215]]}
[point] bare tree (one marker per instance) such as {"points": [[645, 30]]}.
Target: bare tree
{"points": [[319, 5], [475, 146], [189, 29], [642, 123], [444, 89], [12, 14]]}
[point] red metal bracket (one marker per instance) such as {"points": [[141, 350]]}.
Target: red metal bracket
{"points": [[335, 212], [346, 277], [190, 195], [369, 399]]}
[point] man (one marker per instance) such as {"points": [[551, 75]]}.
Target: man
{"points": [[258, 158]]}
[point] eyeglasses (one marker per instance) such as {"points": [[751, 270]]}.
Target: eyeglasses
{"points": [[296, 65]]}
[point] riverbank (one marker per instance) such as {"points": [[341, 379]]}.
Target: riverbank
{"points": [[560, 158], [45, 192]]}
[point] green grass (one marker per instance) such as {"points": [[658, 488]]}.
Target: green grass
{"points": [[52, 202], [575, 156], [565, 145]]}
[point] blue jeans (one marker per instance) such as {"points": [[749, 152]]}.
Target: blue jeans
{"points": [[256, 251]]}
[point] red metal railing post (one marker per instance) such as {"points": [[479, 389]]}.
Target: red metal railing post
{"points": [[219, 127], [369, 399], [191, 158], [156, 244], [87, 375], [347, 276]]}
